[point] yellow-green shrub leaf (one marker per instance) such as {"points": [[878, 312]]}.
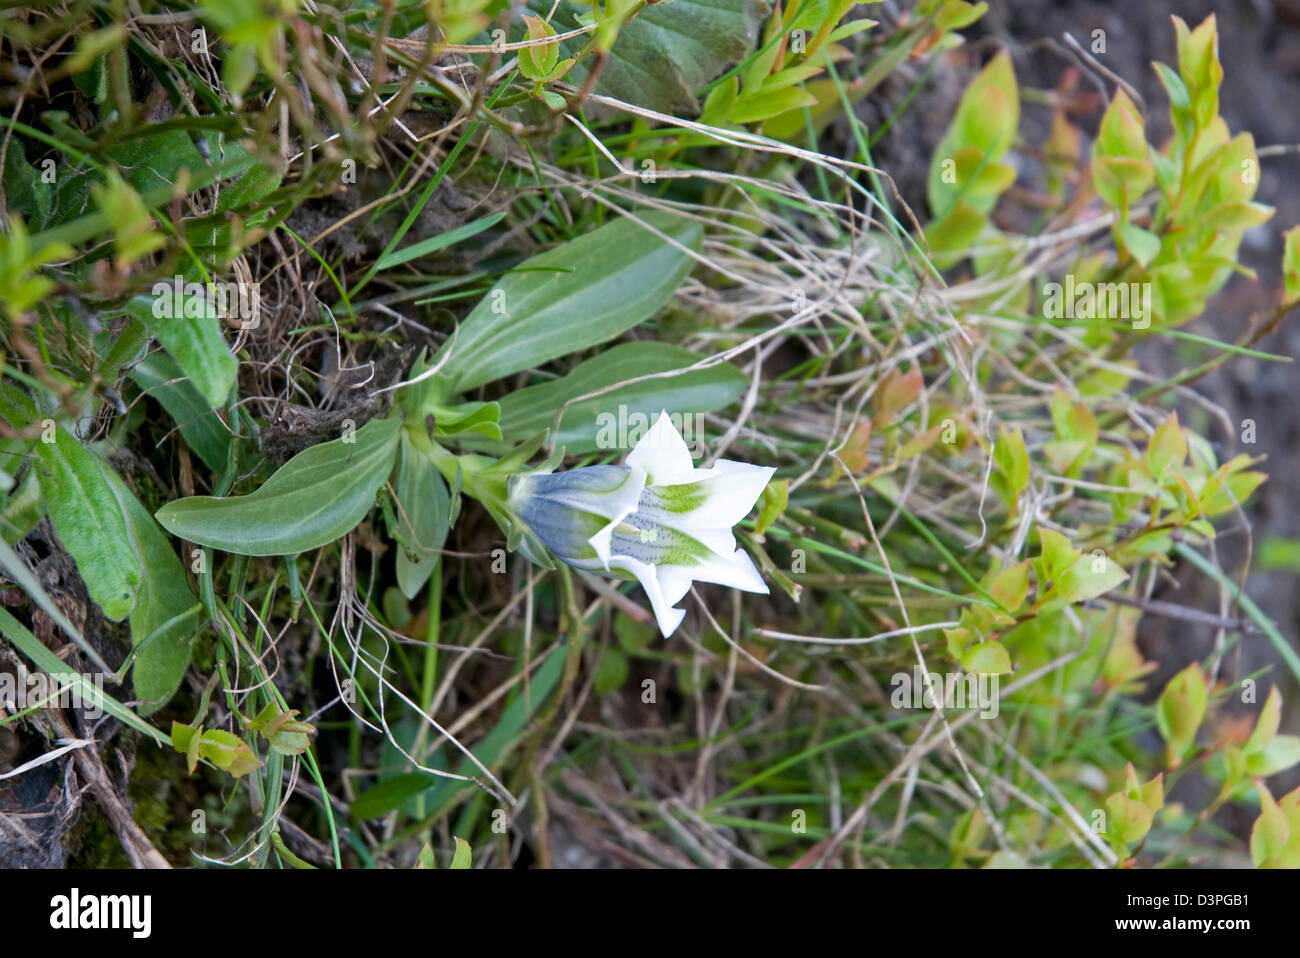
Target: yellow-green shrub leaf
{"points": [[1291, 266], [537, 62], [1010, 586], [1141, 244], [986, 658], [1266, 725], [1088, 577], [1129, 819], [1167, 447], [1180, 710], [1281, 753], [1271, 833]]}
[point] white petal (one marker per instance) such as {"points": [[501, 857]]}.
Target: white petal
{"points": [[667, 617], [600, 542], [662, 454], [737, 571], [732, 492], [626, 502], [674, 582], [721, 541], [707, 509]]}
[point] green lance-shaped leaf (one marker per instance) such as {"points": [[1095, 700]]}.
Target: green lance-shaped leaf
{"points": [[89, 522], [528, 411], [201, 428], [424, 511], [190, 329], [165, 608], [579, 294], [313, 499]]}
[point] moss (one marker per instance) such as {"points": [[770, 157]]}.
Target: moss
{"points": [[91, 841]]}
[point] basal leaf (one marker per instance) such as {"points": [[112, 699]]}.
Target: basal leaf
{"points": [[165, 608], [528, 411], [200, 427], [192, 336], [89, 521], [423, 512], [313, 499], [576, 295]]}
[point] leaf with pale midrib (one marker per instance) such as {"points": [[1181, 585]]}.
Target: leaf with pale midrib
{"points": [[576, 295], [316, 497], [89, 522], [163, 600], [526, 412]]}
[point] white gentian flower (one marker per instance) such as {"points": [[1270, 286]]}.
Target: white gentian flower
{"points": [[657, 519]]}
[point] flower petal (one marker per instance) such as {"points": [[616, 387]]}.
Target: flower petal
{"points": [[571, 511], [656, 545], [707, 509], [674, 581], [735, 489], [737, 571], [666, 616], [662, 454]]}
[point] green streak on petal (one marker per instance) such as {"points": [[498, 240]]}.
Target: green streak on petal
{"points": [[679, 499], [656, 544]]}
